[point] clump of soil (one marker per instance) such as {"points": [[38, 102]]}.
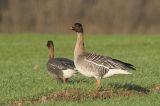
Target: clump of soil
{"points": [[78, 95]]}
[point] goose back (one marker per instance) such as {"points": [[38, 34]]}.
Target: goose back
{"points": [[56, 66]]}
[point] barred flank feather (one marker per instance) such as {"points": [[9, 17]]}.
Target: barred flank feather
{"points": [[108, 62]]}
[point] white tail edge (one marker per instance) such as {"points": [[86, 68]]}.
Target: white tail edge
{"points": [[116, 71]]}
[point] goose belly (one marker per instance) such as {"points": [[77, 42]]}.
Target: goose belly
{"points": [[68, 73], [85, 71]]}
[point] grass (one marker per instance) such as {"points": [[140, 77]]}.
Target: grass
{"points": [[20, 81]]}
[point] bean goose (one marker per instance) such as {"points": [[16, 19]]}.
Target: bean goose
{"points": [[59, 68], [94, 65]]}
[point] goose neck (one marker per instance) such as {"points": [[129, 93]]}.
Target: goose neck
{"points": [[51, 52], [79, 48]]}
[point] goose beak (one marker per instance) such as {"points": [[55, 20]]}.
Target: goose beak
{"points": [[71, 28]]}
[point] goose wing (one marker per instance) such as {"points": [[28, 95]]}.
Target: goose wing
{"points": [[65, 63], [107, 62], [58, 65], [61, 63]]}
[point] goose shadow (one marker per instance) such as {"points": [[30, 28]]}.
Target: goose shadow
{"points": [[130, 86], [73, 81]]}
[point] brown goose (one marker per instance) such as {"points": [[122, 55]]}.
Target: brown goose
{"points": [[59, 68], [93, 65]]}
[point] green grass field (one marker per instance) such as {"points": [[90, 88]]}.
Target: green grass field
{"points": [[21, 83]]}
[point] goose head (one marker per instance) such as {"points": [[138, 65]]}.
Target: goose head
{"points": [[50, 44], [77, 27]]}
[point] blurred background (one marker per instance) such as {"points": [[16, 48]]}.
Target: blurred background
{"points": [[97, 16]]}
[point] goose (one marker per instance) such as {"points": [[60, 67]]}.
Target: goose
{"points": [[94, 65], [59, 68]]}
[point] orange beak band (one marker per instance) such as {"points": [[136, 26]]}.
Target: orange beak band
{"points": [[72, 28]]}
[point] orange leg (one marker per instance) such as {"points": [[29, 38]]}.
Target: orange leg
{"points": [[98, 84], [65, 80]]}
